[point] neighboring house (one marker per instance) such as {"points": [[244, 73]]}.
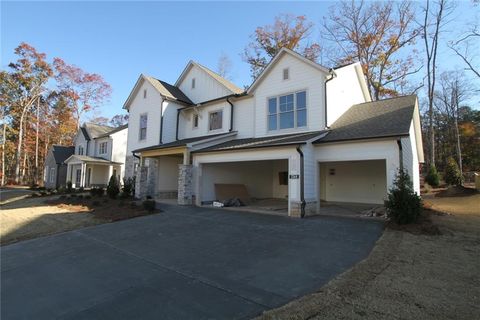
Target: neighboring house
{"points": [[300, 132], [99, 154], [55, 175]]}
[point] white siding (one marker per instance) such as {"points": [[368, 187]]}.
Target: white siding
{"points": [[410, 158], [167, 179], [343, 92], [206, 87], [243, 117], [95, 145], [186, 120], [302, 77], [119, 149], [139, 106]]}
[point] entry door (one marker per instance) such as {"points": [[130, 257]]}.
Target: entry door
{"points": [[78, 177]]}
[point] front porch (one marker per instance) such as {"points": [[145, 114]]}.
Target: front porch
{"points": [[87, 172]]}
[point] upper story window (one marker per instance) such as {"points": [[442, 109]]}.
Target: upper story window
{"points": [[286, 74], [193, 83], [195, 121], [80, 150], [102, 148], [215, 120], [287, 111], [144, 93], [143, 127]]}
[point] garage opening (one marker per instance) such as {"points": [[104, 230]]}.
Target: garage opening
{"points": [[265, 182], [362, 182]]}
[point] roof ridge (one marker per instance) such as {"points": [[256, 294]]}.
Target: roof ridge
{"points": [[391, 98]]}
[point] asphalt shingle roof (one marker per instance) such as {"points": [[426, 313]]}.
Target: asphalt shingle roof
{"points": [[376, 119], [263, 142], [92, 159], [94, 130], [61, 153], [182, 142], [168, 90], [113, 131]]}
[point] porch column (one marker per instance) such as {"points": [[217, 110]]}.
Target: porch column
{"points": [[186, 157], [185, 184], [82, 175], [69, 174]]}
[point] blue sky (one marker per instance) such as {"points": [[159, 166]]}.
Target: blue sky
{"points": [[120, 40]]}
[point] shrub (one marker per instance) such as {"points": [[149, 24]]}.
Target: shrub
{"points": [[96, 192], [121, 203], [452, 173], [149, 205], [80, 196], [113, 189], [432, 177], [63, 197], [69, 186], [128, 187], [81, 189], [96, 203], [61, 190], [403, 204], [87, 197], [133, 204]]}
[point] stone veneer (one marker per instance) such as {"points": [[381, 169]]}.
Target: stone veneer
{"points": [[146, 180], [310, 209], [130, 166], [185, 184]]}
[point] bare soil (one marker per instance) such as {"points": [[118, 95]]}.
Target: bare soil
{"points": [[39, 216], [412, 273]]}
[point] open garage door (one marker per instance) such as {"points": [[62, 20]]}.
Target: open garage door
{"points": [[353, 181]]}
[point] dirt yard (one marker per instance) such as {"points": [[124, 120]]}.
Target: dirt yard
{"points": [[34, 217], [408, 275]]}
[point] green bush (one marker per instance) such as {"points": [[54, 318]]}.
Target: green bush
{"points": [[403, 204], [69, 187], [453, 176], [432, 177], [128, 187], [113, 188], [97, 192], [149, 205]]}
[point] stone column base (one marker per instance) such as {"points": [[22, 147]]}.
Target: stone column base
{"points": [[296, 209], [185, 184]]}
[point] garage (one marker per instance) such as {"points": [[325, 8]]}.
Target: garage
{"points": [[261, 185], [353, 181]]}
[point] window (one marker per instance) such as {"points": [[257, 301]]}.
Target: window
{"points": [[143, 127], [215, 120], [195, 121], [52, 174], [144, 93], [283, 178], [102, 148], [287, 111], [135, 168], [193, 83], [80, 150], [285, 74]]}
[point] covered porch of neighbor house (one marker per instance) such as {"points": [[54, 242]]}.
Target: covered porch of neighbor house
{"points": [[87, 172]]}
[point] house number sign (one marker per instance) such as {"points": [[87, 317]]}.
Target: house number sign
{"points": [[294, 176]]}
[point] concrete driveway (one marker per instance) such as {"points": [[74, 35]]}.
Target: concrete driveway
{"points": [[184, 263]]}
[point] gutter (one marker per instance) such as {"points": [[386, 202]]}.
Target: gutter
{"points": [[231, 114], [302, 182], [400, 153], [133, 154], [333, 75]]}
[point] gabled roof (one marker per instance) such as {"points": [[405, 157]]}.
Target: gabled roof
{"points": [[61, 153], [277, 58], [119, 128], [165, 89], [93, 130], [224, 82], [264, 142], [82, 158], [184, 142], [376, 119]]}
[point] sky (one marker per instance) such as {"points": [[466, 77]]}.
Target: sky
{"points": [[120, 39]]}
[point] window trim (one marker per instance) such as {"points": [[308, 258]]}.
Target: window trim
{"points": [[140, 127], [197, 117], [80, 147], [221, 123], [288, 74], [295, 118], [52, 177], [144, 93], [100, 148], [193, 83]]}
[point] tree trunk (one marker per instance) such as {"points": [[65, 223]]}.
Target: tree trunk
{"points": [[36, 142], [3, 152]]}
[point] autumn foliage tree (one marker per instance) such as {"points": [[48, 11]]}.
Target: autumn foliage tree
{"points": [[374, 33], [287, 31]]}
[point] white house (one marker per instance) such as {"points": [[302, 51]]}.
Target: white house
{"points": [[300, 132], [99, 153]]}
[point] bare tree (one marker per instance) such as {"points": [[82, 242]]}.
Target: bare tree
{"points": [[374, 34], [463, 48], [224, 66], [434, 21]]}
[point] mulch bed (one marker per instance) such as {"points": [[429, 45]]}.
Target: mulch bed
{"points": [[456, 191], [102, 207], [424, 225]]}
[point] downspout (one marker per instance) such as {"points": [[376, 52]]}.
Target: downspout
{"points": [[400, 153], [178, 121], [302, 183], [332, 76], [161, 120], [133, 154], [231, 114]]}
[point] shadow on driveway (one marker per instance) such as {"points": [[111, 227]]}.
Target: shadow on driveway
{"points": [[186, 262]]}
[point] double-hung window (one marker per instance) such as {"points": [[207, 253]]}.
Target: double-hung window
{"points": [[143, 127], [80, 150], [102, 148], [287, 111], [215, 120]]}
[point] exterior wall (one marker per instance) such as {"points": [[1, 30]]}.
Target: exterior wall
{"points": [[168, 173], [118, 149], [301, 77], [279, 191], [343, 92], [95, 145], [100, 174], [130, 162], [186, 121], [243, 115], [169, 121], [50, 163], [362, 150], [81, 141], [206, 87], [410, 159], [151, 106], [62, 176], [354, 181]]}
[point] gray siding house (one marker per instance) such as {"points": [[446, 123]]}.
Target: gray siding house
{"points": [[55, 174]]}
